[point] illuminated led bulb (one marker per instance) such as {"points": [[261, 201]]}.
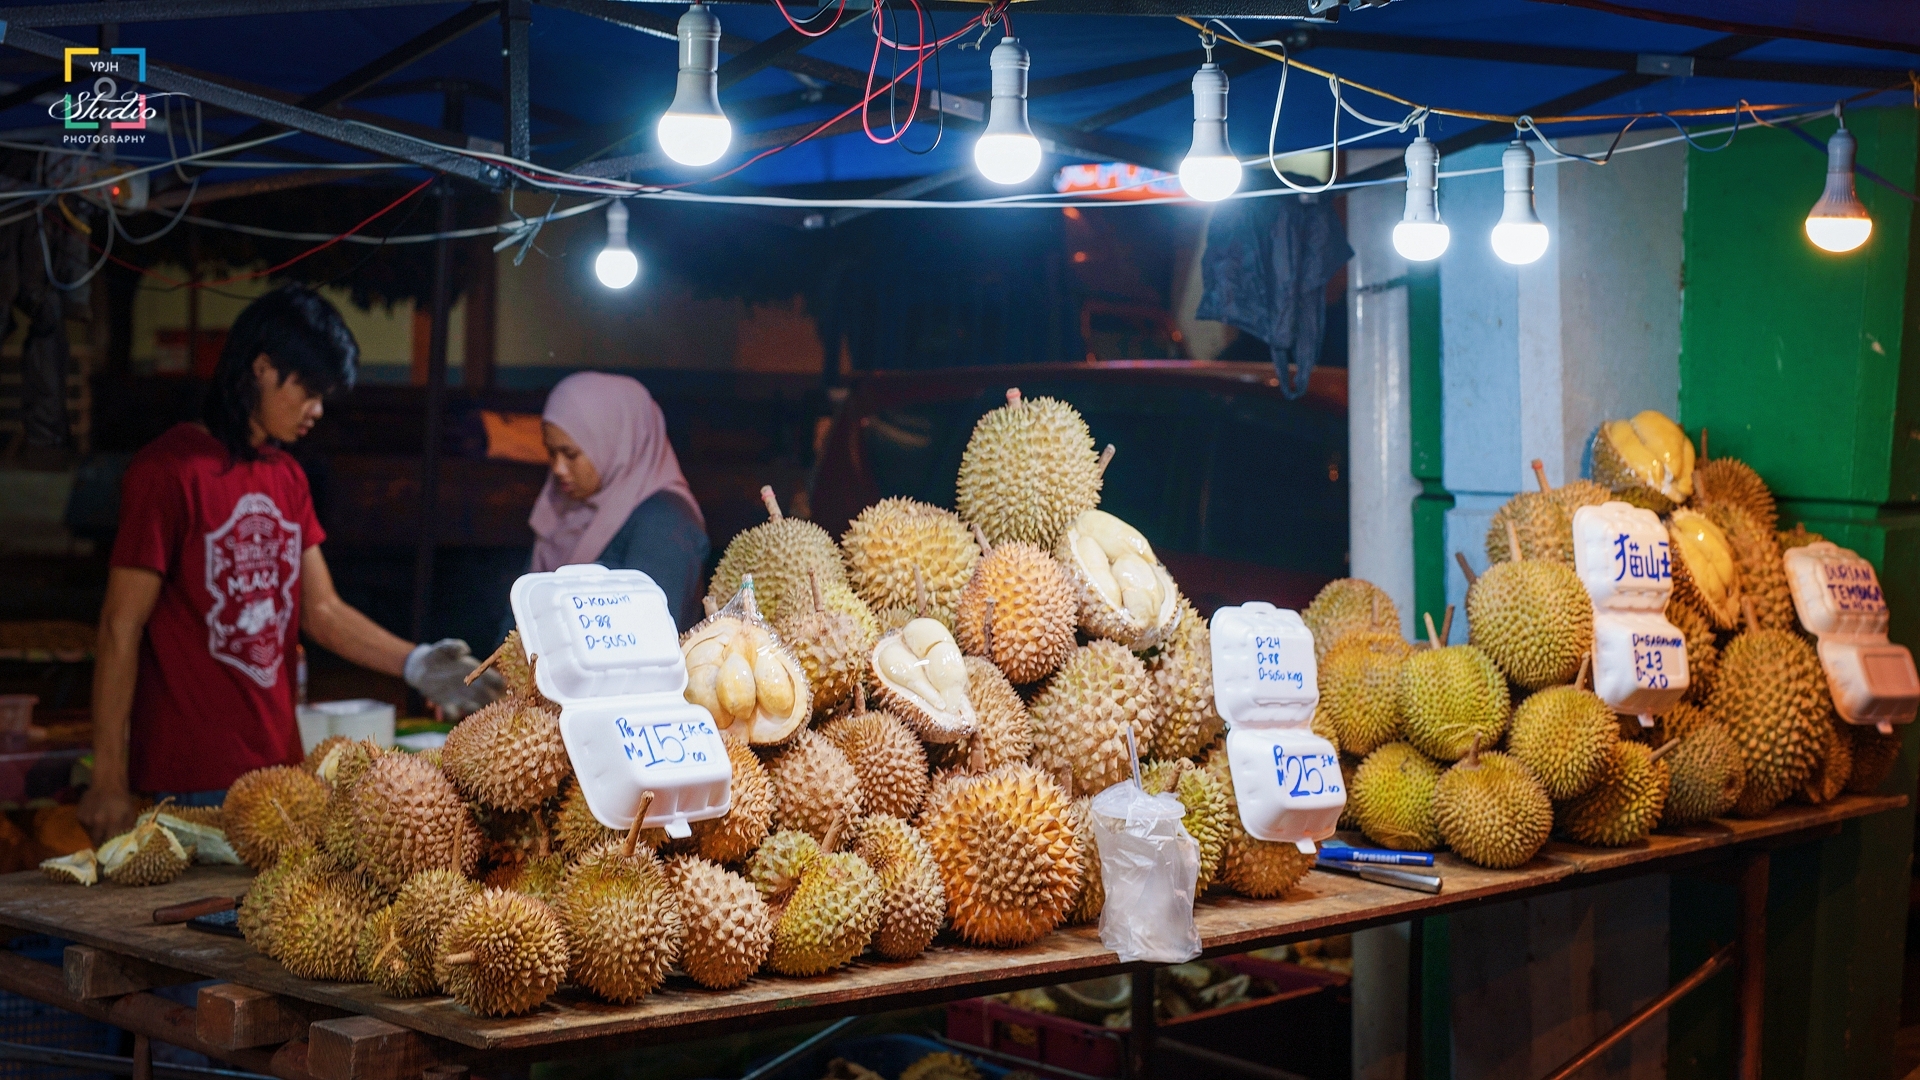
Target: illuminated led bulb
{"points": [[1210, 172], [616, 266], [694, 130], [1520, 238], [1421, 236], [1838, 222], [1008, 153]]}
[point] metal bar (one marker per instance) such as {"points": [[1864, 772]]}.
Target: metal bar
{"points": [[1416, 998], [172, 198], [119, 1066], [801, 1047], [1217, 1063], [516, 24], [1718, 962], [1728, 26], [766, 53], [1750, 1012], [142, 11], [28, 92], [260, 107], [423, 551], [1132, 69], [1143, 1028]]}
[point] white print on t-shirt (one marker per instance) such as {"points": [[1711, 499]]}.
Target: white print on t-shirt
{"points": [[253, 566]]}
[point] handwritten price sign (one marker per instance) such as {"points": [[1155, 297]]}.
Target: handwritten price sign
{"points": [[1301, 776], [665, 745]]}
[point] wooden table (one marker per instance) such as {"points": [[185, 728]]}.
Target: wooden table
{"points": [[348, 1031]]}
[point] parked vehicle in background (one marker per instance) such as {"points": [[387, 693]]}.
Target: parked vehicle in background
{"points": [[1242, 492]]}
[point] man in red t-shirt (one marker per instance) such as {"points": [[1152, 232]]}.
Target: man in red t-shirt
{"points": [[216, 571]]}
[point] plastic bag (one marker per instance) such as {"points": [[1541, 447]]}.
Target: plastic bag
{"points": [[1149, 866]]}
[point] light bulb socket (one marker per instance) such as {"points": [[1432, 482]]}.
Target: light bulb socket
{"points": [[1423, 181], [1839, 199], [1516, 183], [697, 90], [616, 224], [1007, 110], [1210, 113]]}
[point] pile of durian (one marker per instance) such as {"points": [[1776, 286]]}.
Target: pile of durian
{"points": [[1491, 747]]}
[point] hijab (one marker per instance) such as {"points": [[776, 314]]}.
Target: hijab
{"points": [[620, 428]]}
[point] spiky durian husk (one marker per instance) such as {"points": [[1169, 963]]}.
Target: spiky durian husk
{"points": [[1575, 494], [1259, 869], [507, 755], [888, 759], [149, 855], [1450, 698], [1492, 811], [388, 959], [784, 555], [1732, 482], [1544, 525], [1534, 619], [409, 818], [1565, 735], [1182, 673], [835, 596], [1798, 536], [271, 810], [1008, 855], [622, 920], [1207, 805], [1703, 654], [1347, 605], [814, 786], [255, 913], [540, 877], [1359, 690], [913, 902], [1763, 575], [1626, 803], [1874, 756], [732, 838], [1393, 798], [1081, 717], [428, 902], [828, 918], [1020, 599], [1723, 612], [775, 866], [318, 755], [518, 951], [516, 669], [1707, 770], [339, 836], [832, 647], [727, 929], [318, 917], [894, 538], [575, 830], [1028, 470], [895, 618], [1003, 731], [1772, 696], [1090, 896], [1831, 775]]}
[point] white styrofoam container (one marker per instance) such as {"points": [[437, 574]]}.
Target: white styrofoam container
{"points": [[1837, 596], [357, 718], [1622, 556], [610, 658], [1639, 662], [1265, 686]]}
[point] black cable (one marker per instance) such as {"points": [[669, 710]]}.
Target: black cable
{"points": [[939, 94]]}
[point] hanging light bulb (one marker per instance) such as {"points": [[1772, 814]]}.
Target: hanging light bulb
{"points": [[1210, 172], [1838, 222], [1008, 153], [694, 130], [1520, 238], [616, 266], [1421, 236]]}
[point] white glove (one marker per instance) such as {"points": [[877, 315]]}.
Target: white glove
{"points": [[439, 671]]}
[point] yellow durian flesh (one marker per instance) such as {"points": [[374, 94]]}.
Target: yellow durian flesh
{"points": [[1707, 566], [1654, 450], [922, 678], [740, 671], [1125, 593]]}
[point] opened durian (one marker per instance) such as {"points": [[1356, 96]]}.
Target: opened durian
{"points": [[622, 922], [318, 757], [1345, 606], [780, 555], [1125, 594], [1008, 855], [832, 647], [726, 927], [503, 954], [1647, 461], [79, 868], [901, 553], [1771, 694], [1451, 699], [887, 758], [1532, 617], [1028, 470], [922, 679], [1762, 573], [409, 818], [1003, 732], [1360, 689], [271, 810], [1018, 610], [732, 837], [1081, 718], [740, 671], [150, 854], [1182, 673], [339, 836], [913, 902], [1565, 735], [1626, 803], [1491, 810], [1393, 798], [814, 786], [508, 755], [1704, 568]]}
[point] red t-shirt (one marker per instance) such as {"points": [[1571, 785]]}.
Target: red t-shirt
{"points": [[215, 696]]}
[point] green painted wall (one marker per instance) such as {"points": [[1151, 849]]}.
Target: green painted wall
{"points": [[1427, 444], [1807, 366]]}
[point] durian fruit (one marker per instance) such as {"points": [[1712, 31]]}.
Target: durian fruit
{"points": [[1647, 461], [1703, 654], [1322, 726], [1207, 805], [1450, 698], [901, 553], [409, 818], [832, 647], [1798, 536], [622, 921], [1830, 776], [887, 758], [1707, 770], [1626, 803], [1182, 672], [1008, 856], [1772, 696], [727, 929], [149, 854], [1360, 689], [1003, 732], [1018, 610], [507, 755], [1575, 494], [942, 1065], [1732, 482], [897, 618], [775, 866], [271, 810], [1491, 810], [317, 916], [1028, 470], [339, 837], [1090, 895], [835, 596], [516, 668], [1543, 525], [1532, 617], [1874, 756], [780, 554], [427, 904], [1344, 606], [814, 786], [510, 837], [828, 917], [742, 673], [913, 901], [389, 960], [253, 915], [1125, 594], [540, 877], [317, 756], [576, 831], [1566, 736], [922, 679], [79, 868], [1762, 572], [1081, 717], [1349, 765], [1260, 869], [731, 838], [503, 954], [1392, 798], [1705, 575]]}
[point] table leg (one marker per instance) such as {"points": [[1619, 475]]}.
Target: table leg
{"points": [[142, 1058], [1416, 998], [1140, 1036], [1750, 1016]]}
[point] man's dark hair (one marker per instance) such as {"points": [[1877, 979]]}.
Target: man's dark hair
{"points": [[303, 337]]}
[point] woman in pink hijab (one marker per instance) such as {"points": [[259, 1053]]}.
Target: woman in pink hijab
{"points": [[614, 493]]}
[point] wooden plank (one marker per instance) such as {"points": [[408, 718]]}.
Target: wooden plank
{"points": [[574, 1022], [363, 1048], [235, 1016], [96, 973]]}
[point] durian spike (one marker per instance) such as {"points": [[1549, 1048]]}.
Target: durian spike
{"points": [[1664, 747], [1106, 458], [1586, 665], [1465, 568], [919, 593], [772, 504], [1540, 475], [1433, 635], [711, 608], [1513, 541], [1446, 625], [460, 959], [485, 664], [980, 537], [639, 815]]}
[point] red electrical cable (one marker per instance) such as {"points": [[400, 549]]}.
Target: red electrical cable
{"points": [[803, 31], [873, 68]]}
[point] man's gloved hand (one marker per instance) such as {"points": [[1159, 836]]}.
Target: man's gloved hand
{"points": [[439, 671]]}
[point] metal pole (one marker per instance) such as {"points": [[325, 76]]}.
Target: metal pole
{"points": [[1416, 998], [1715, 964], [436, 405], [1750, 1014], [516, 22], [1140, 1034]]}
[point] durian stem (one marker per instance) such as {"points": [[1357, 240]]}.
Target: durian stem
{"points": [[1703, 445], [460, 959], [1446, 625], [485, 664], [1473, 752], [1433, 635], [639, 815], [1664, 747], [919, 593], [986, 628], [1586, 666], [772, 504], [1106, 458], [708, 605], [1513, 541], [860, 699], [1465, 568], [748, 598], [1746, 608], [1013, 395], [1540, 475], [830, 842], [813, 583], [980, 537]]}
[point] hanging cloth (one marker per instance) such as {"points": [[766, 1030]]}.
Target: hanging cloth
{"points": [[1265, 273]]}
